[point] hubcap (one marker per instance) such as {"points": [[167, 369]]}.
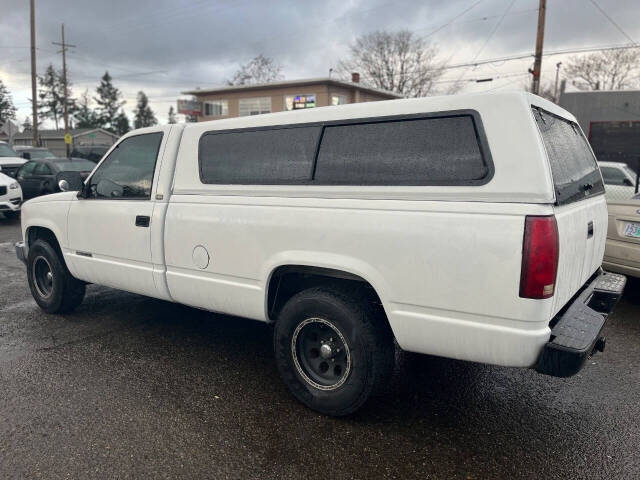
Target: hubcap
{"points": [[320, 354], [42, 276]]}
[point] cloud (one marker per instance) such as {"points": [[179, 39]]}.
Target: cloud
{"points": [[165, 46]]}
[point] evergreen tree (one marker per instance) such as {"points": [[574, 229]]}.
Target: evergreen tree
{"points": [[51, 96], [109, 102], [84, 115], [172, 116], [7, 109], [121, 124], [27, 126], [144, 116]]}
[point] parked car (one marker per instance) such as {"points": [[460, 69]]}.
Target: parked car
{"points": [[10, 161], [622, 253], [90, 152], [38, 177], [33, 153], [619, 180], [10, 196], [469, 226]]}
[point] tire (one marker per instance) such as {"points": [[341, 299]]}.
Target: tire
{"points": [[350, 375], [58, 293], [11, 215]]}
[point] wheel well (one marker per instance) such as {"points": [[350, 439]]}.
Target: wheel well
{"points": [[287, 280], [42, 233]]}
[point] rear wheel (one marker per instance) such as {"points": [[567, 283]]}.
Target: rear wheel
{"points": [[54, 289], [333, 349]]}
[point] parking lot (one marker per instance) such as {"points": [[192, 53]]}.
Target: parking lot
{"points": [[131, 387]]}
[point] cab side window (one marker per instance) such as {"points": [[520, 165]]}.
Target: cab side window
{"points": [[27, 169], [42, 169], [127, 173]]}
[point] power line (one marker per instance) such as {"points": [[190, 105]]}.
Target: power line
{"points": [[445, 25], [492, 33], [595, 4]]}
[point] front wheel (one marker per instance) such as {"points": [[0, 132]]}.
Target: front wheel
{"points": [[54, 289], [11, 215], [333, 349]]}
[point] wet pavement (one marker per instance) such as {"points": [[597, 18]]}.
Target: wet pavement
{"points": [[131, 387]]}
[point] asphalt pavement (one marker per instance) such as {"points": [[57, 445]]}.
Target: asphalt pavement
{"points": [[131, 387]]}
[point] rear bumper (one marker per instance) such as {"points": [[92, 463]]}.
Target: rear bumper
{"points": [[575, 334]]}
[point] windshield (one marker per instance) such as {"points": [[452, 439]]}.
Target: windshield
{"points": [[78, 166], [7, 151]]}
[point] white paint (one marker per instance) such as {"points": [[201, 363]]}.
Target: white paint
{"points": [[445, 261]]}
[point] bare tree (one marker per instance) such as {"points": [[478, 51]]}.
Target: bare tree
{"points": [[546, 90], [607, 70], [400, 62], [260, 69]]}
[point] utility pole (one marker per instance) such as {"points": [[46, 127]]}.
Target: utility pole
{"points": [[34, 90], [537, 64], [66, 90], [555, 89]]}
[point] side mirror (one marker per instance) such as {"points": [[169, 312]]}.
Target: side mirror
{"points": [[26, 155], [628, 182], [69, 181]]}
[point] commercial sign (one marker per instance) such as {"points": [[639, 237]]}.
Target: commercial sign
{"points": [[189, 107], [298, 102]]}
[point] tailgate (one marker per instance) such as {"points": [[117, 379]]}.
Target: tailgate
{"points": [[580, 208], [582, 231]]}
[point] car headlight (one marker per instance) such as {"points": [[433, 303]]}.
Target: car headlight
{"points": [[14, 186]]}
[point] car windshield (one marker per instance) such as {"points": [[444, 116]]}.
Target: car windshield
{"points": [[76, 166], [7, 151]]}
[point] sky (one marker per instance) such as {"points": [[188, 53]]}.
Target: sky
{"points": [[164, 47]]}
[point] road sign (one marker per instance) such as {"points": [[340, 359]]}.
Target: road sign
{"points": [[67, 138]]}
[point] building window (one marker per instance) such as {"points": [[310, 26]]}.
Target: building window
{"points": [[216, 108], [254, 106], [298, 102], [338, 99]]}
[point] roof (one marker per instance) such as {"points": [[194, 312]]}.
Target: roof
{"points": [[60, 133], [291, 83], [587, 92]]}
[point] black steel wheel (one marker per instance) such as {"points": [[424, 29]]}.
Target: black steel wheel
{"points": [[53, 287], [333, 348], [321, 354]]}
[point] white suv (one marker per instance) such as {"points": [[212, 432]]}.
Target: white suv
{"points": [[470, 227], [10, 196]]}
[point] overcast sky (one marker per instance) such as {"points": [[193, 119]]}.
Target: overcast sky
{"points": [[166, 46]]}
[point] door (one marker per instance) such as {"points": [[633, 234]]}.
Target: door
{"points": [[110, 223], [43, 179], [27, 180]]}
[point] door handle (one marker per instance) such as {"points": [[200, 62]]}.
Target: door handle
{"points": [[142, 220], [590, 229]]}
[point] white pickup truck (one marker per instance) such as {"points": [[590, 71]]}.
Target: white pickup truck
{"points": [[471, 227]]}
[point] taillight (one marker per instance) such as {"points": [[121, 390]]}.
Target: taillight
{"points": [[539, 257]]}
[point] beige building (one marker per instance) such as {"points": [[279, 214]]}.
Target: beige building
{"points": [[241, 100]]}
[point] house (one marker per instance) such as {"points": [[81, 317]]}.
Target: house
{"points": [[241, 100], [54, 139]]}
